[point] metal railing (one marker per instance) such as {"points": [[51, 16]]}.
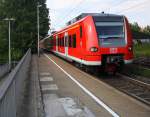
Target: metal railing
{"points": [[11, 90], [4, 69]]}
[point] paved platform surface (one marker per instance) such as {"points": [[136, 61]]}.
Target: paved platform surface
{"points": [[63, 97], [120, 103], [32, 102], [60, 87]]}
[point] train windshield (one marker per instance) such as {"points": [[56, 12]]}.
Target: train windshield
{"points": [[110, 33]]}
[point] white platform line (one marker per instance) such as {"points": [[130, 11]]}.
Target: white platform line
{"points": [[114, 114]]}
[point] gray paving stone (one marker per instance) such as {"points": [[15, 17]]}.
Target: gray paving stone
{"points": [[64, 107], [45, 74], [49, 88], [46, 80]]}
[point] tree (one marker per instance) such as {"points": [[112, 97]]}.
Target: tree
{"points": [[135, 27], [147, 29], [24, 28], [138, 33]]}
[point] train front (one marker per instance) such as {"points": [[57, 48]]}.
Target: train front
{"points": [[114, 40]]}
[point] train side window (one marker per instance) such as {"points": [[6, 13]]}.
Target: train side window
{"points": [[63, 41], [74, 41], [81, 31], [55, 42], [58, 42], [69, 40]]}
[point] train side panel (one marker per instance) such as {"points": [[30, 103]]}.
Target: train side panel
{"points": [[83, 43]]}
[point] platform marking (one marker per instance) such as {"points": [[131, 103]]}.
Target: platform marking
{"points": [[114, 114], [45, 79], [45, 74], [49, 87]]}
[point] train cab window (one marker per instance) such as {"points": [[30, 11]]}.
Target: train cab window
{"points": [[81, 31], [74, 40], [70, 41]]}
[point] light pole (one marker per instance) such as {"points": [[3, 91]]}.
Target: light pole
{"points": [[38, 26], [9, 21]]}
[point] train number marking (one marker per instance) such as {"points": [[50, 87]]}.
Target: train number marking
{"points": [[113, 50]]}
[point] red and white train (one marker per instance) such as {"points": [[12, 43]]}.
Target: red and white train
{"points": [[95, 39]]}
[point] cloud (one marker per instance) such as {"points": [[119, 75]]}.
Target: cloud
{"points": [[131, 6], [135, 10], [63, 10], [60, 4]]}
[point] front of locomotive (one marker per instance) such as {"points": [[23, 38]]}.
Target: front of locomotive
{"points": [[114, 40]]}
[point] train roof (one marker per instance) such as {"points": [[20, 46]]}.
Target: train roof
{"points": [[96, 17], [93, 15]]}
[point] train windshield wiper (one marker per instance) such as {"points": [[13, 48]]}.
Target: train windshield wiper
{"points": [[110, 37]]}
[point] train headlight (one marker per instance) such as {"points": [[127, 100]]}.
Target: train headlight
{"points": [[93, 49], [130, 48]]}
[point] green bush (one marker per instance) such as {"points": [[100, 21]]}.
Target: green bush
{"points": [[141, 50]]}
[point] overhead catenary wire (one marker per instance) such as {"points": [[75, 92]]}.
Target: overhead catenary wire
{"points": [[76, 6], [134, 6], [116, 4], [71, 11]]}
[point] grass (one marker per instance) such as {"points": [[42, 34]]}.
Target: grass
{"points": [[142, 50]]}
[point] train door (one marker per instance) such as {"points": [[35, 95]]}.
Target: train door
{"points": [[66, 43], [56, 43]]}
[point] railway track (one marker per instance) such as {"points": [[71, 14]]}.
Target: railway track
{"points": [[136, 88], [143, 79], [142, 61]]}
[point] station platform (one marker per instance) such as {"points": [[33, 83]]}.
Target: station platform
{"points": [[67, 91]]}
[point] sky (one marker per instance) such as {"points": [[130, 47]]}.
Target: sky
{"points": [[61, 11]]}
